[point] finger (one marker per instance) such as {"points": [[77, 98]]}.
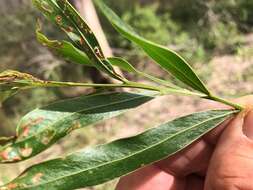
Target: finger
{"points": [[231, 166], [196, 157], [194, 183], [193, 159], [248, 123], [213, 136], [150, 178]]}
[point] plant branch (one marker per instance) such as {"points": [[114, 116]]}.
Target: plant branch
{"points": [[129, 84], [226, 102]]}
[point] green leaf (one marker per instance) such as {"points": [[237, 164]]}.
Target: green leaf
{"points": [[68, 51], [6, 92], [122, 64], [167, 59], [126, 66], [64, 49], [93, 166], [41, 128], [66, 18]]}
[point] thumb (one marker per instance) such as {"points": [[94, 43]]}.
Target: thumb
{"points": [[231, 166]]}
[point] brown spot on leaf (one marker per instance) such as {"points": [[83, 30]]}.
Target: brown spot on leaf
{"points": [[46, 7], [5, 153], [37, 121], [26, 127], [81, 41], [26, 152], [32, 122], [17, 76], [10, 155], [37, 177], [98, 52], [88, 31], [25, 132], [46, 136], [75, 125], [69, 29], [15, 158], [7, 79], [58, 19], [12, 186]]}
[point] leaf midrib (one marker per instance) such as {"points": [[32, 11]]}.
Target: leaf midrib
{"points": [[111, 16], [97, 59], [138, 152], [83, 110], [139, 38], [108, 69]]}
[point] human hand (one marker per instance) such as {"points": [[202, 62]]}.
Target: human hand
{"points": [[220, 160]]}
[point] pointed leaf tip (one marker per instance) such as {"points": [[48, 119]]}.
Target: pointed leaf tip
{"points": [[166, 58], [103, 163]]}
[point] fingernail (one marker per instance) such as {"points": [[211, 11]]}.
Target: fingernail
{"points": [[248, 125]]}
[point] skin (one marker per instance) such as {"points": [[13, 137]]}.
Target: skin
{"points": [[220, 160]]}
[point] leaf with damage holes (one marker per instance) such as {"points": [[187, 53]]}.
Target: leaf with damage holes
{"points": [[67, 19], [71, 53], [64, 49], [41, 128], [68, 51], [93, 166]]}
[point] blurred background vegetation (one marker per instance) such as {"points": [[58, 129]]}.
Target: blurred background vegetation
{"points": [[214, 36]]}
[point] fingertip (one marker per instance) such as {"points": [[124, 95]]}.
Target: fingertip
{"points": [[231, 163], [147, 178], [193, 159], [213, 136], [248, 125], [234, 129]]}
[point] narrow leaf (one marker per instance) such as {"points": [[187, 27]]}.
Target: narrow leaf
{"points": [[64, 49], [66, 18], [166, 58], [41, 128], [122, 64], [102, 163], [126, 66], [6, 92], [71, 53]]}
